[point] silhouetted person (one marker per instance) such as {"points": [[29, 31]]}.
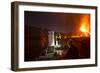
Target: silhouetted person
{"points": [[73, 52]]}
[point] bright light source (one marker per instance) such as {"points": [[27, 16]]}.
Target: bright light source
{"points": [[83, 29]]}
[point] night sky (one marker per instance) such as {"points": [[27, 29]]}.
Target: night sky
{"points": [[59, 22]]}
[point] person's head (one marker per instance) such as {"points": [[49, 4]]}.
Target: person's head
{"points": [[69, 43]]}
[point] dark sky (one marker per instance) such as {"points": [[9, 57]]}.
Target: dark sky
{"points": [[59, 22]]}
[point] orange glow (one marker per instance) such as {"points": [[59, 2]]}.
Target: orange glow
{"points": [[85, 24], [83, 29]]}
